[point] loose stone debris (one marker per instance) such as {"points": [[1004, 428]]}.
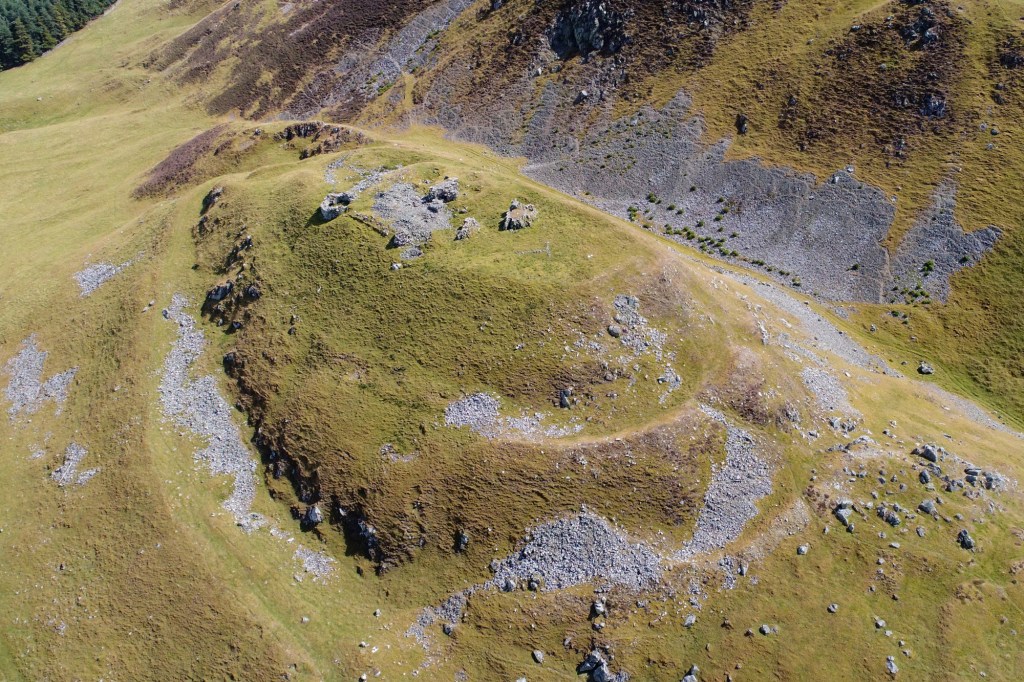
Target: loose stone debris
{"points": [[634, 331], [480, 412], [26, 391], [67, 473], [730, 498], [828, 391], [318, 564], [411, 218], [563, 553], [576, 550], [197, 405], [93, 277]]}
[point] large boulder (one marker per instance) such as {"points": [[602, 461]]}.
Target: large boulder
{"points": [[447, 191], [212, 197], [518, 216], [596, 668], [469, 227], [590, 662], [928, 451], [220, 292], [334, 205]]}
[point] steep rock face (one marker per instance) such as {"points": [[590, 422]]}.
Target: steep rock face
{"points": [[588, 26]]}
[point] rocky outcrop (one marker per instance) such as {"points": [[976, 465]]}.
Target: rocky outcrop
{"points": [[469, 227], [334, 205], [518, 216], [324, 138], [220, 292], [586, 27], [446, 191]]}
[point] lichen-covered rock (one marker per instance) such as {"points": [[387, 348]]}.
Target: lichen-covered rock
{"points": [[468, 229], [518, 216], [446, 191], [965, 539], [334, 205]]}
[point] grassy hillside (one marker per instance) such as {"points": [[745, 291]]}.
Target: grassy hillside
{"points": [[843, 112], [140, 573]]}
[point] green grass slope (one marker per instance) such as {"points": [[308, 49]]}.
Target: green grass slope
{"points": [[140, 574]]}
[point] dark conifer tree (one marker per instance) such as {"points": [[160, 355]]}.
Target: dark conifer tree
{"points": [[30, 27], [24, 47]]}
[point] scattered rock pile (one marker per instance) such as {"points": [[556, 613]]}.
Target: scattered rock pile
{"points": [[367, 178], [633, 330], [577, 550], [412, 218], [197, 405], [318, 564], [480, 412], [26, 390], [67, 473], [571, 551], [93, 277], [730, 498], [449, 613]]}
